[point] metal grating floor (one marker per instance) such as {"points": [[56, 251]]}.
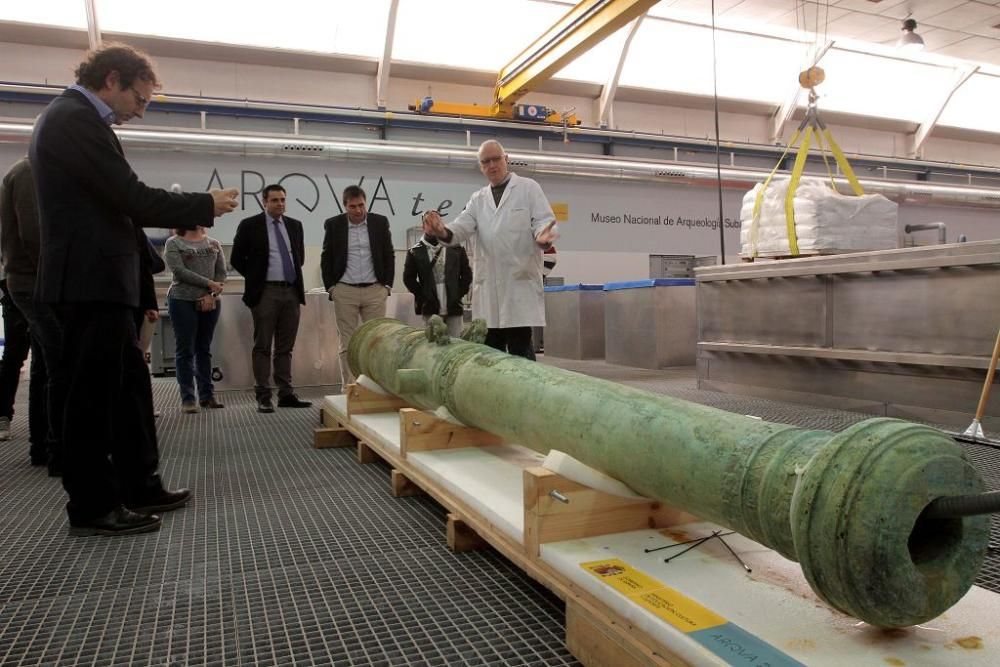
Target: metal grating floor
{"points": [[289, 555]]}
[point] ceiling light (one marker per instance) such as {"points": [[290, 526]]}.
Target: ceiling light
{"points": [[910, 40]]}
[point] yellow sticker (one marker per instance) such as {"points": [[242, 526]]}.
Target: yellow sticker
{"points": [[561, 210], [670, 605]]}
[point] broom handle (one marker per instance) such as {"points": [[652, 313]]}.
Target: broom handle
{"points": [[989, 380]]}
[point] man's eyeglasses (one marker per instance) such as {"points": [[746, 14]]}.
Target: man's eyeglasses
{"points": [[487, 161], [139, 99]]}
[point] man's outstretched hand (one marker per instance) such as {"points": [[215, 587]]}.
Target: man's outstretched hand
{"points": [[433, 218], [547, 235], [225, 200]]}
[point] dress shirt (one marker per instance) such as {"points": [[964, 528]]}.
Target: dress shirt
{"points": [[106, 113], [359, 255]]}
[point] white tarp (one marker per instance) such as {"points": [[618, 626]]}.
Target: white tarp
{"points": [[825, 220]]}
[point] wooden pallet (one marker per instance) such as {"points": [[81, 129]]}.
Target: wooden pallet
{"points": [[773, 258], [555, 509]]}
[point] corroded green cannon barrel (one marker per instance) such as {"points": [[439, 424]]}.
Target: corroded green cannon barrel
{"points": [[847, 506]]}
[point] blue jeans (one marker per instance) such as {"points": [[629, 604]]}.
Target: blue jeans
{"points": [[193, 331]]}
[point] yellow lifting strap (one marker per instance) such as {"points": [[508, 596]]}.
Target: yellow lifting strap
{"points": [[813, 125], [759, 199], [844, 165], [793, 185]]}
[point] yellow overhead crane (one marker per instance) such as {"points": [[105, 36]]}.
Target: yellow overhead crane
{"points": [[583, 26]]}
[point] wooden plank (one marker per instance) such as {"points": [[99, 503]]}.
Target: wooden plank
{"points": [[325, 437], [587, 513], [361, 401], [462, 537], [327, 418], [402, 486], [421, 431], [366, 454], [598, 640]]}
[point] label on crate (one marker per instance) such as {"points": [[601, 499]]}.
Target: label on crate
{"points": [[726, 640]]}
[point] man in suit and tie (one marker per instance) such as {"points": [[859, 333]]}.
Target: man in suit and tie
{"points": [[269, 250], [358, 268], [90, 202]]}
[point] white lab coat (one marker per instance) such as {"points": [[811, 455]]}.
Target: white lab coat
{"points": [[507, 268]]}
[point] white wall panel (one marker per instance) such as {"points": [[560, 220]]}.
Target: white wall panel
{"points": [[33, 64], [258, 82], [37, 64], [199, 77]]}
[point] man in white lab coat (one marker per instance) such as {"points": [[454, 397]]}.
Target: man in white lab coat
{"points": [[513, 225]]}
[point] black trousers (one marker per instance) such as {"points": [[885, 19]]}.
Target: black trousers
{"points": [[17, 342], [110, 450], [47, 388], [275, 323], [512, 340]]}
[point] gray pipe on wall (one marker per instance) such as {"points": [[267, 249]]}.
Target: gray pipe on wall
{"points": [[247, 143]]}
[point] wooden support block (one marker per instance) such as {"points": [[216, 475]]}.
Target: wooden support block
{"points": [[587, 513], [327, 419], [597, 640], [366, 454], [461, 537], [361, 401], [421, 431], [402, 486], [325, 437]]}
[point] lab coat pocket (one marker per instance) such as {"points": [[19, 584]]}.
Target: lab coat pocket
{"points": [[520, 219], [517, 236]]}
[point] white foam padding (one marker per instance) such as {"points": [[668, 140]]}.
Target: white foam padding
{"points": [[774, 603], [337, 404], [563, 464], [379, 428], [371, 385], [492, 487], [444, 414]]}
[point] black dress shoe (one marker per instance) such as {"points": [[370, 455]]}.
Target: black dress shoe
{"points": [[164, 501], [119, 521], [211, 404], [292, 401], [264, 405]]}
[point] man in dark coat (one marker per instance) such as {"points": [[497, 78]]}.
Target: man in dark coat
{"points": [[439, 277], [90, 202], [269, 250]]}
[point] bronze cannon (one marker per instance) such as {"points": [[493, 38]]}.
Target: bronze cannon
{"points": [[849, 506]]}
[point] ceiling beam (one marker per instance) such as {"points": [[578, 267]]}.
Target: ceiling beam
{"points": [[787, 109], [961, 75], [93, 29], [382, 78], [611, 87], [583, 26]]}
